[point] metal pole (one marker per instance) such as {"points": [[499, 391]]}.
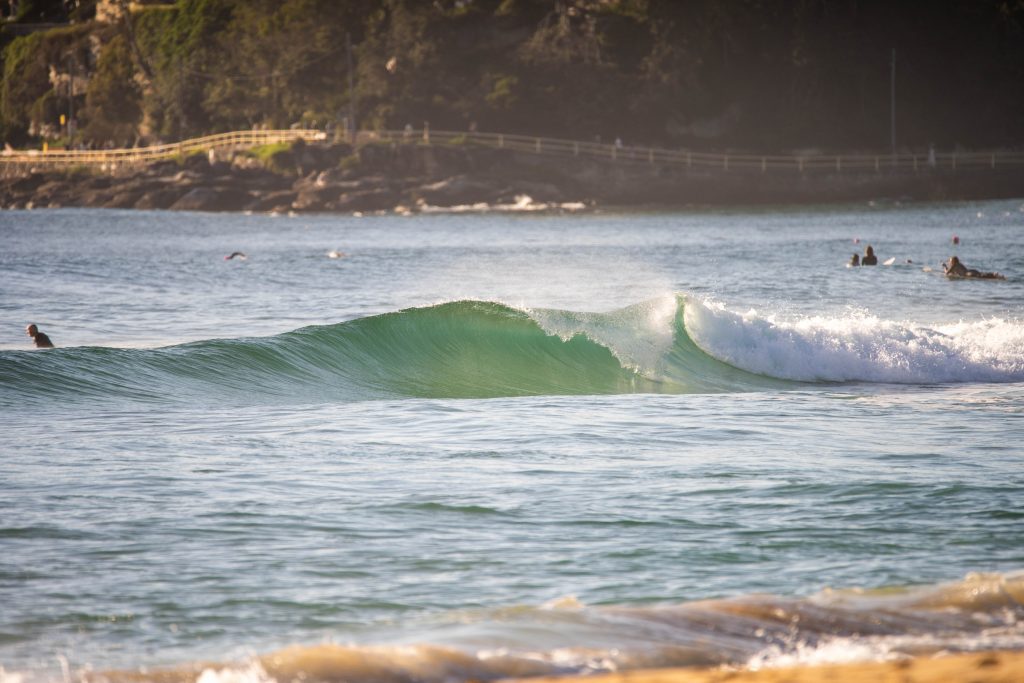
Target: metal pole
{"points": [[351, 89], [71, 98], [892, 101]]}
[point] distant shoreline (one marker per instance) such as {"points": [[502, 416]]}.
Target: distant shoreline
{"points": [[336, 178]]}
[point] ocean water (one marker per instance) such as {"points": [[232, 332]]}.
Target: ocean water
{"points": [[490, 445]]}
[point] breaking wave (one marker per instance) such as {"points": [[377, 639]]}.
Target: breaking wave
{"points": [[482, 349]]}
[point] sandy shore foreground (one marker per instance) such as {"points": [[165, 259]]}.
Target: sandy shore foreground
{"points": [[984, 667]]}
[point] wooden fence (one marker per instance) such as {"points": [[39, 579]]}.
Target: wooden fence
{"points": [[549, 147], [110, 159], [816, 162]]}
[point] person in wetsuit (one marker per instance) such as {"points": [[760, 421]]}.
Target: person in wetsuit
{"points": [[41, 340], [954, 269], [869, 257], [854, 260]]}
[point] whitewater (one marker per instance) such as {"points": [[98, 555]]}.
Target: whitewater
{"points": [[484, 444]]}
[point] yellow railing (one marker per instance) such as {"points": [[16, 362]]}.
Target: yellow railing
{"points": [[549, 147], [143, 155]]}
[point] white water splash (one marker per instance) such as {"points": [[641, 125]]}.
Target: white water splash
{"points": [[253, 673], [10, 676], [859, 347], [639, 336], [833, 651]]}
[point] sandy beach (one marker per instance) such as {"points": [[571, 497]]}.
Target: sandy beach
{"points": [[321, 664], [981, 667]]}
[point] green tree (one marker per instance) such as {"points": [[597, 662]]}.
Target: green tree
{"points": [[35, 67], [113, 108], [281, 62], [179, 46], [41, 11]]}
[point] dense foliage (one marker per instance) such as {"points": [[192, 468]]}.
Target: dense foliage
{"points": [[755, 74]]}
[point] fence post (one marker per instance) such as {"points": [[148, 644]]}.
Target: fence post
{"points": [[688, 160], [501, 141], [613, 153], [800, 163], [426, 132], [839, 164], [725, 162], [764, 165], [650, 155], [537, 145], [993, 160], [575, 149]]}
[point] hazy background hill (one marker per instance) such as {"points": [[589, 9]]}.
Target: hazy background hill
{"points": [[751, 74]]}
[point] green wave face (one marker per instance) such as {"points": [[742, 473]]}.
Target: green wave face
{"points": [[472, 349], [465, 349]]}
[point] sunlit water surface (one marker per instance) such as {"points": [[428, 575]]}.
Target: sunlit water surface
{"points": [[588, 423]]}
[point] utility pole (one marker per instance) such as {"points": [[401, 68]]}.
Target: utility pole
{"points": [[71, 100], [892, 103], [351, 91]]}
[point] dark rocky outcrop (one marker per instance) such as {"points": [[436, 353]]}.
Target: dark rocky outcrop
{"points": [[162, 198], [455, 191], [381, 177], [213, 199], [123, 200], [314, 198], [380, 199], [272, 202]]}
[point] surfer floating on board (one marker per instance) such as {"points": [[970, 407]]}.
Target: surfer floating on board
{"points": [[41, 340], [955, 270]]}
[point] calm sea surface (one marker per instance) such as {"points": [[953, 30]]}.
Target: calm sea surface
{"points": [[487, 445]]}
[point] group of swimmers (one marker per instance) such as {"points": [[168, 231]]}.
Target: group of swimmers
{"points": [[953, 268], [334, 253], [869, 258]]}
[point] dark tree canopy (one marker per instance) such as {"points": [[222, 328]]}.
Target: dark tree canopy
{"points": [[749, 74]]}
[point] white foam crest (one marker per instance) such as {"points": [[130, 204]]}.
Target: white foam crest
{"points": [[848, 650], [858, 347], [523, 203], [832, 651], [253, 673], [639, 336], [11, 676]]}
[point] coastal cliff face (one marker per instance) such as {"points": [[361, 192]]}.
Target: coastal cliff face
{"points": [[312, 178]]}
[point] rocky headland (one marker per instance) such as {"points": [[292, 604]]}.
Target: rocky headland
{"points": [[379, 176], [306, 178]]}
